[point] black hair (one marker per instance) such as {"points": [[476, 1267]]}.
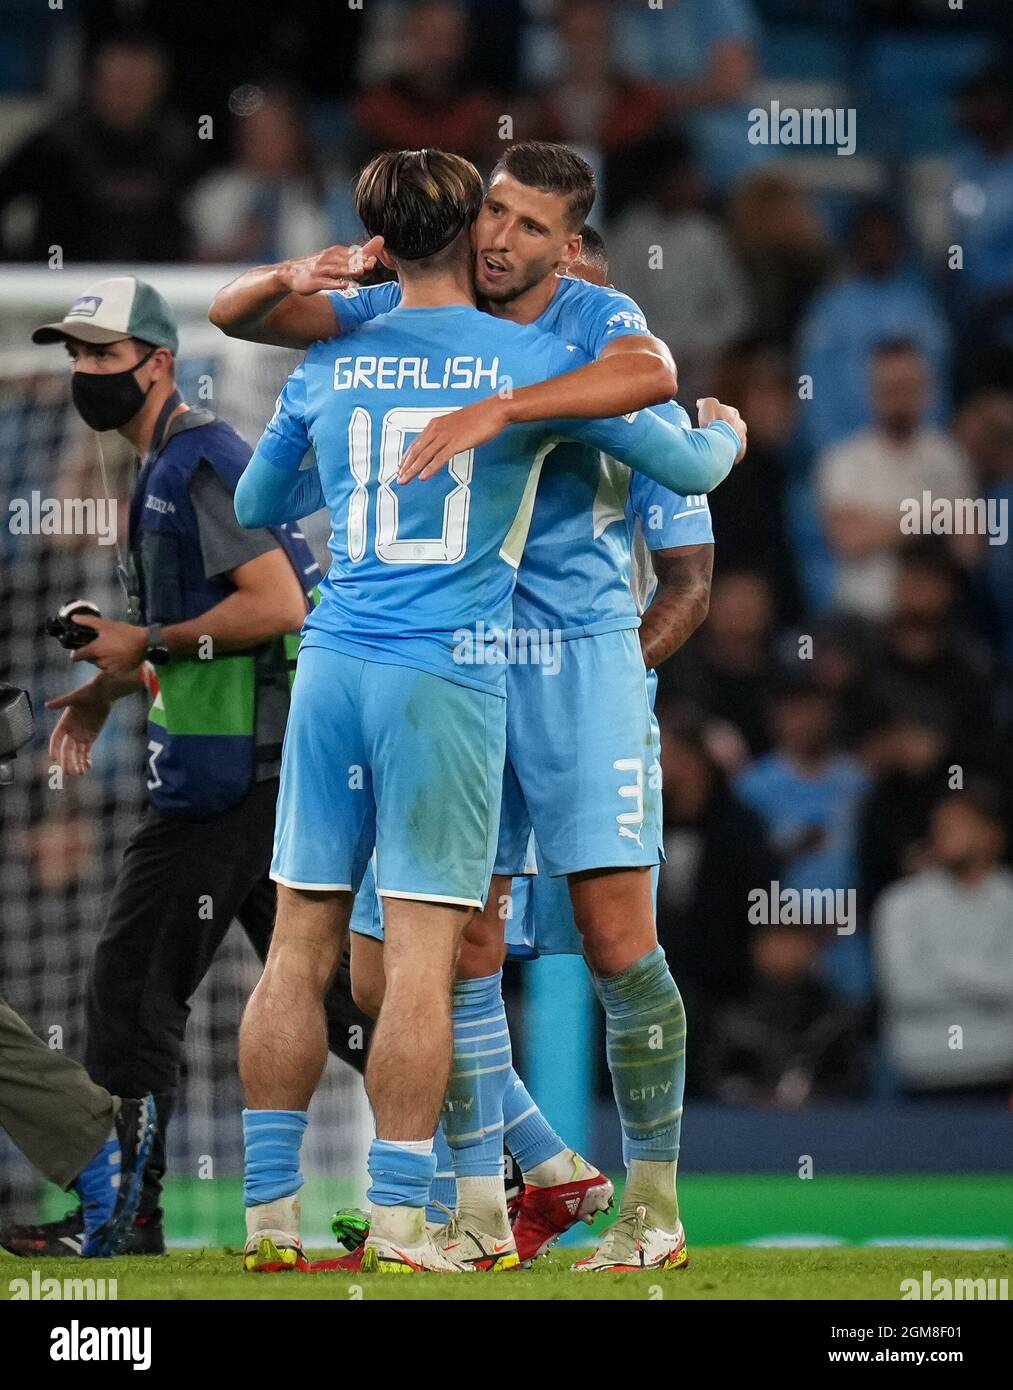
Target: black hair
{"points": [[593, 250]]}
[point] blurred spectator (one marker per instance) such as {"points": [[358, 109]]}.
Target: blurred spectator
{"points": [[706, 53], [676, 261], [843, 652], [807, 794], [863, 482], [266, 205], [879, 298], [703, 892], [726, 669], [944, 955], [61, 850], [915, 754], [930, 656], [789, 1042], [314, 44], [432, 99], [983, 228], [984, 428], [783, 249], [104, 182], [591, 103], [750, 506]]}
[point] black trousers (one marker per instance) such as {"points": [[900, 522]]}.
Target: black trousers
{"points": [[181, 885]]}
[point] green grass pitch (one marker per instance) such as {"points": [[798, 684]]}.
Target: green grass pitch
{"points": [[722, 1272]]}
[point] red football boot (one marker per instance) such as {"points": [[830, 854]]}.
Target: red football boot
{"points": [[546, 1213], [349, 1264]]}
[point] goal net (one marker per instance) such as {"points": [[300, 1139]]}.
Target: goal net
{"points": [[61, 844]]}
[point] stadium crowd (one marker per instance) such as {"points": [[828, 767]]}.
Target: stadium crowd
{"points": [[843, 719]]}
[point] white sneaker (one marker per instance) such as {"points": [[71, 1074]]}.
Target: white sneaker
{"points": [[470, 1248], [272, 1237], [399, 1242], [384, 1256], [630, 1244]]}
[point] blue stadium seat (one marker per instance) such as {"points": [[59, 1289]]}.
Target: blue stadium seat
{"points": [[910, 81], [806, 54], [923, 67]]}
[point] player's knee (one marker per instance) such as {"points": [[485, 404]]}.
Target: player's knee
{"points": [[367, 993], [483, 947], [616, 925], [478, 959]]}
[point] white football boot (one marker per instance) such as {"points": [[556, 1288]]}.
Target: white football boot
{"points": [[463, 1241], [272, 1237], [631, 1244], [399, 1242]]}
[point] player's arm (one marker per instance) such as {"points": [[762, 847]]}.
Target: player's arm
{"points": [[287, 304], [631, 373], [269, 495], [681, 602], [273, 487], [684, 461]]}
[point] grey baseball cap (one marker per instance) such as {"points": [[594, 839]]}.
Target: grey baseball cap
{"points": [[114, 309]]}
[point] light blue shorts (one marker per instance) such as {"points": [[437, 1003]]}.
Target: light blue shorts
{"points": [[540, 921], [583, 770], [392, 758]]}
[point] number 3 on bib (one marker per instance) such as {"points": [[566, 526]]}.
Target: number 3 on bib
{"points": [[397, 425]]}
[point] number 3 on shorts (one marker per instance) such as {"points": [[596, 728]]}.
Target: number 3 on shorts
{"points": [[631, 822]]}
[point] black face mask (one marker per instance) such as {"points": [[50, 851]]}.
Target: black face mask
{"points": [[109, 400]]}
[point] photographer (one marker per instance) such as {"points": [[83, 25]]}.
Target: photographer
{"points": [[214, 613]]}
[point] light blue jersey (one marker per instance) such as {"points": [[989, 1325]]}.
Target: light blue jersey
{"points": [[413, 565], [422, 575], [659, 519], [574, 576]]}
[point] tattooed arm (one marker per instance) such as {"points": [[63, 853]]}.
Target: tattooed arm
{"points": [[680, 604]]}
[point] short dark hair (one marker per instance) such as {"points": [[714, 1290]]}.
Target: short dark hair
{"points": [[896, 347], [418, 200], [552, 169], [593, 250], [983, 797]]}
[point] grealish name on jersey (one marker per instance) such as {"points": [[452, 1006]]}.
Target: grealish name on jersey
{"points": [[419, 373]]}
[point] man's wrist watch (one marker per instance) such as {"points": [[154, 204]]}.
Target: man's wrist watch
{"points": [[158, 652]]}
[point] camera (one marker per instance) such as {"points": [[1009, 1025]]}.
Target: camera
{"points": [[67, 632], [17, 725]]}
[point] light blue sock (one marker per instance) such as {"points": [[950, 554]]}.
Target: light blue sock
{"points": [[399, 1177], [473, 1110], [273, 1139], [528, 1134], [646, 1049], [444, 1186]]}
